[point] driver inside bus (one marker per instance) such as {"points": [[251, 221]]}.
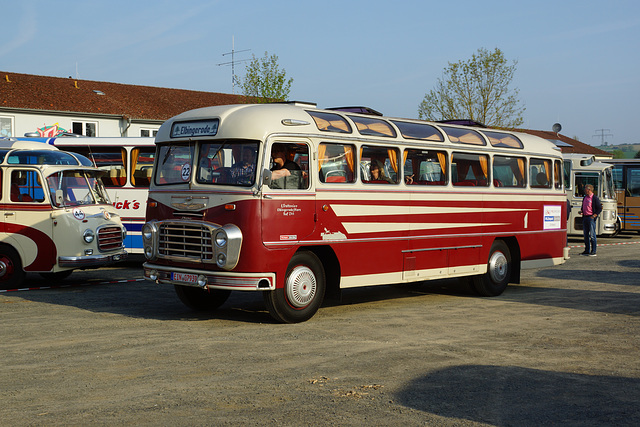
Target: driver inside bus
{"points": [[285, 173]]}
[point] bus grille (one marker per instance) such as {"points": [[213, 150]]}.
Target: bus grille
{"points": [[109, 238], [182, 240]]}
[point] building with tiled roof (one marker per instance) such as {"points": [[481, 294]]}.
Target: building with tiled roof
{"points": [[569, 145], [50, 105]]}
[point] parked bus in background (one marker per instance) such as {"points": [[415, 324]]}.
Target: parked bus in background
{"points": [[127, 163], [626, 176], [583, 169], [296, 202], [56, 215]]}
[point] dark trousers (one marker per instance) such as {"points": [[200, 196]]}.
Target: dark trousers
{"points": [[589, 230]]}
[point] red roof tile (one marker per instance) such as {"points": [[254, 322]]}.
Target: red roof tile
{"points": [[575, 145], [78, 96]]}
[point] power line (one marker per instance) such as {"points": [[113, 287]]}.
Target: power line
{"points": [[603, 133], [234, 78]]}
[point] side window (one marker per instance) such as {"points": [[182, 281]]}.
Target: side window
{"points": [[557, 174], [142, 166], [289, 166], [26, 186], [540, 172], [112, 160], [470, 170], [379, 165], [584, 178], [633, 182], [336, 163], [425, 167], [509, 171]]}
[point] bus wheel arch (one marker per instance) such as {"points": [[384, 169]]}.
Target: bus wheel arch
{"points": [[499, 270], [303, 291], [11, 272]]}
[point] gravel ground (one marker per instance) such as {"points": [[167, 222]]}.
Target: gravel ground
{"points": [[560, 348]]}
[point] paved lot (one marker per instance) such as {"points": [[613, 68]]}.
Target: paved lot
{"points": [[560, 348]]}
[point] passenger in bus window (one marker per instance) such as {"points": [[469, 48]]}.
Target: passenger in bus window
{"points": [[377, 173], [243, 170]]}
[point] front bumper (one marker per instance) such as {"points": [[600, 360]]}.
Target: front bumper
{"points": [[210, 279], [91, 260]]}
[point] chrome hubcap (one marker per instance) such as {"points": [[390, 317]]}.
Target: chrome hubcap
{"points": [[301, 286], [498, 267]]}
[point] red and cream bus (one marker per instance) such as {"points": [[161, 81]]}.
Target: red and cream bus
{"points": [[296, 202], [56, 215]]}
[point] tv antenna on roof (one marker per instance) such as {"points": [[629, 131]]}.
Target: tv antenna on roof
{"points": [[234, 78]]}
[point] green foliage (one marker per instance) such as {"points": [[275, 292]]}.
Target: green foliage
{"points": [[618, 154], [264, 81], [477, 89], [637, 156]]}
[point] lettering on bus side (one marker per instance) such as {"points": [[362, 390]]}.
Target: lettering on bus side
{"points": [[134, 204]]}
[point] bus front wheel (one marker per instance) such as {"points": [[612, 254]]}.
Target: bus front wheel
{"points": [[495, 280], [303, 290], [201, 299], [11, 272]]}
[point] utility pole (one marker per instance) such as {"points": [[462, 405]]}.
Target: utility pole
{"points": [[233, 61], [602, 133]]}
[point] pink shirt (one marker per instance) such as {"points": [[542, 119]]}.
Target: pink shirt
{"points": [[587, 205]]}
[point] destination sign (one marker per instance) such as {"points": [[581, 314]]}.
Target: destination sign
{"points": [[195, 128]]}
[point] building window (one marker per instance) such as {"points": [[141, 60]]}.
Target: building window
{"points": [[6, 127], [148, 132], [84, 128]]}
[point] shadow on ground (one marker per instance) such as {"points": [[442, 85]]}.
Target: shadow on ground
{"points": [[505, 396]]}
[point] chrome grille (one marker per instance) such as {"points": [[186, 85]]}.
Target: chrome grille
{"points": [[109, 238], [178, 239]]}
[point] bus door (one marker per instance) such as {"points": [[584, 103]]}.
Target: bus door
{"points": [[580, 180], [630, 214], [27, 216], [288, 202]]}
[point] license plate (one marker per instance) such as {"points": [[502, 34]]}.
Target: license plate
{"points": [[183, 277]]}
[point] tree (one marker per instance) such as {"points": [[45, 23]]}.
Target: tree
{"points": [[264, 81], [477, 89]]}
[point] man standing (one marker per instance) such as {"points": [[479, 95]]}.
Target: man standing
{"points": [[591, 208]]}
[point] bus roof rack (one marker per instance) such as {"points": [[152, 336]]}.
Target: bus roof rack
{"points": [[356, 109]]}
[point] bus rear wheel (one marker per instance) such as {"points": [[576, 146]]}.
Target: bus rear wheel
{"points": [[11, 272], [201, 299], [496, 279], [303, 290]]}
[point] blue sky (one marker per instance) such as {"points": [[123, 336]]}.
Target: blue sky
{"points": [[578, 61]]}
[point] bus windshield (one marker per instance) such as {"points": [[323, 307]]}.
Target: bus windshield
{"points": [[78, 188], [228, 163]]}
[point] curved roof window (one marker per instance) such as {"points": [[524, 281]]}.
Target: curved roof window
{"points": [[503, 140], [373, 127], [328, 122], [463, 136], [421, 131]]}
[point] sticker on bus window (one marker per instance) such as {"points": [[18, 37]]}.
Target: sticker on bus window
{"points": [[552, 216], [185, 173]]}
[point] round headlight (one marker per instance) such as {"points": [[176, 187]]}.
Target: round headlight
{"points": [[148, 252], [88, 235], [147, 232], [221, 260], [221, 239]]}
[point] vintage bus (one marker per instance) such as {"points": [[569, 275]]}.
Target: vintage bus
{"points": [[128, 162], [298, 202], [626, 175], [56, 215], [583, 169]]}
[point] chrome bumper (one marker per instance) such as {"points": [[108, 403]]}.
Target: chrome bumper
{"points": [[91, 260], [207, 279]]}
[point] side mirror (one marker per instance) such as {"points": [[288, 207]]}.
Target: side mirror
{"points": [[266, 177]]}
